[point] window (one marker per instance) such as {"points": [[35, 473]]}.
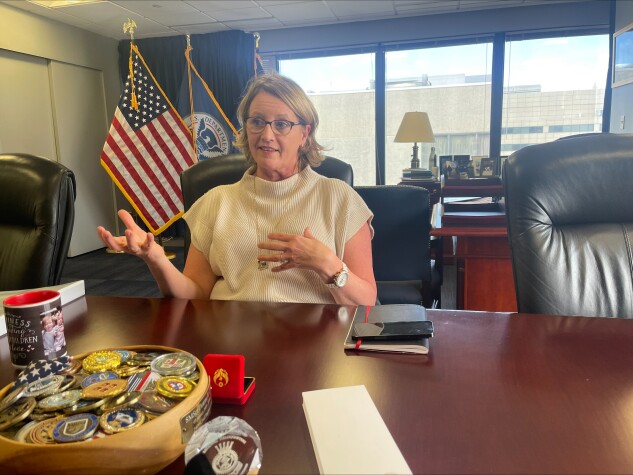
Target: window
{"points": [[553, 87], [452, 85], [342, 90]]}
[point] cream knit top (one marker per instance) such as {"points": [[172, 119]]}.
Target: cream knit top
{"points": [[228, 221]]}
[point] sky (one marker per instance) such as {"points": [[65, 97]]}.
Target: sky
{"points": [[556, 64]]}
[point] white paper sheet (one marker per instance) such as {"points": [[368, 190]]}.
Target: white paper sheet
{"points": [[348, 433]]}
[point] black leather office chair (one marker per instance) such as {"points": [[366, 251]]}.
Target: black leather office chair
{"points": [[37, 212], [570, 225], [207, 174], [401, 250]]}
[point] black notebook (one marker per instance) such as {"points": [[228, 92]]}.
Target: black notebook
{"points": [[389, 313]]}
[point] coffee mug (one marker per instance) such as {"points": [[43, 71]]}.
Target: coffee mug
{"points": [[35, 326]]}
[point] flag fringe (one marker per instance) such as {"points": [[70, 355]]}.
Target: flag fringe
{"points": [[121, 188], [133, 100]]}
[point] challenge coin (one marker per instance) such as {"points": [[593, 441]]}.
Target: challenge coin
{"points": [[125, 354], [72, 368], [23, 434], [110, 387], [42, 432], [75, 428], [16, 412], [45, 386], [98, 377], [42, 416], [126, 371], [143, 359], [69, 382], [154, 402], [192, 376], [125, 399], [59, 401], [119, 420], [174, 386], [13, 396], [85, 405], [174, 364], [101, 361]]}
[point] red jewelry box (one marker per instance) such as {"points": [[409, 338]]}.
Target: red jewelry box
{"points": [[229, 384]]}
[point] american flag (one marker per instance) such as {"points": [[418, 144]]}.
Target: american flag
{"points": [[147, 148]]}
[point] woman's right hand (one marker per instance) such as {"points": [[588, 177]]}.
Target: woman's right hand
{"points": [[136, 241]]}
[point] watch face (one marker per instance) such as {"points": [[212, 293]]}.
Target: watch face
{"points": [[341, 279]]}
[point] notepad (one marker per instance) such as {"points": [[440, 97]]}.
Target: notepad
{"points": [[348, 433]]}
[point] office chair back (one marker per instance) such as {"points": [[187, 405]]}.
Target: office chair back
{"points": [[570, 225], [401, 249], [37, 212], [207, 174]]}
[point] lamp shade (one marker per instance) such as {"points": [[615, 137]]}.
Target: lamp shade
{"points": [[415, 127]]}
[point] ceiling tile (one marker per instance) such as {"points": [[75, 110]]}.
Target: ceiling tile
{"points": [[195, 29], [241, 14], [100, 12], [354, 8], [188, 18], [254, 25], [153, 8], [427, 7], [301, 11], [215, 6], [268, 3]]}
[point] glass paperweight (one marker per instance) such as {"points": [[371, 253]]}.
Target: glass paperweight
{"points": [[223, 446]]}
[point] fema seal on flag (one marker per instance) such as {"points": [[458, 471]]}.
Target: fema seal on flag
{"points": [[212, 139]]}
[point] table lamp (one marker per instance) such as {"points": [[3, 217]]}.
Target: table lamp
{"points": [[415, 127]]}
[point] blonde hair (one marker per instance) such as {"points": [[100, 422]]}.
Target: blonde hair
{"points": [[288, 91]]}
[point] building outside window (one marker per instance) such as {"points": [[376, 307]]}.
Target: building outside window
{"points": [[553, 87], [341, 88]]}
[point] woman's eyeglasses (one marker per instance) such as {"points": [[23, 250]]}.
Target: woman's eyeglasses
{"points": [[255, 125]]}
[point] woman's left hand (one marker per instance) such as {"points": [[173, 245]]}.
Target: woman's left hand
{"points": [[295, 251]]}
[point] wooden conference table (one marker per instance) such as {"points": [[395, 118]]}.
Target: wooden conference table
{"points": [[499, 393]]}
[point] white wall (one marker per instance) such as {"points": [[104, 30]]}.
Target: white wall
{"points": [[58, 91], [26, 121]]}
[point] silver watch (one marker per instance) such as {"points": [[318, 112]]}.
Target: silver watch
{"points": [[340, 278]]}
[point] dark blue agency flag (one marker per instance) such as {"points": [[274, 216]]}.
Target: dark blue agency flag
{"points": [[212, 130]]}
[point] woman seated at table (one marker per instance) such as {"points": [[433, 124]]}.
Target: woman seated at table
{"points": [[283, 233]]}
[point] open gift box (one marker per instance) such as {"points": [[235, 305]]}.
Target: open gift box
{"points": [[226, 373]]}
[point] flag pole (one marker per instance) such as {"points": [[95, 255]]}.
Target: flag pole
{"points": [[128, 27]]}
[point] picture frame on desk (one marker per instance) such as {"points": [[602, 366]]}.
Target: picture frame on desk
{"points": [[476, 162], [488, 167], [448, 168]]}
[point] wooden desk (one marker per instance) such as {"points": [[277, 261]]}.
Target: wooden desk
{"points": [[498, 393], [484, 266]]}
